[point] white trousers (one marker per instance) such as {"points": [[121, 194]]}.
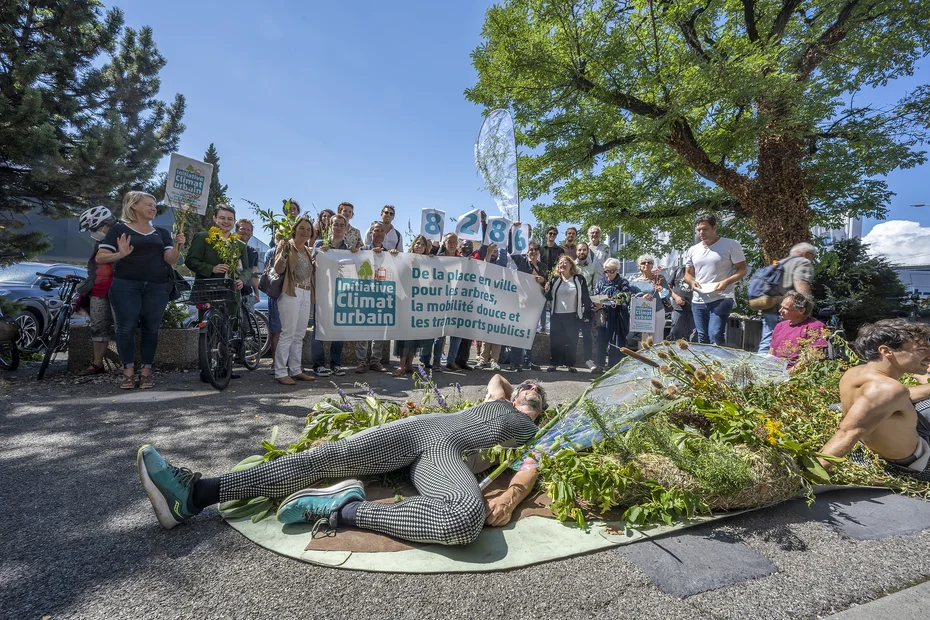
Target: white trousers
{"points": [[295, 313]]}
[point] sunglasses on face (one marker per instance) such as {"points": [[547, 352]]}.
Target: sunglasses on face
{"points": [[387, 213], [550, 234], [526, 385], [610, 271], [646, 262]]}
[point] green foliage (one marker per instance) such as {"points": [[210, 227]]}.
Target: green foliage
{"points": [[642, 114], [861, 284], [80, 122], [174, 316]]}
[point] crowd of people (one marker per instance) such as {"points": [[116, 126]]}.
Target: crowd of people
{"points": [[587, 296]]}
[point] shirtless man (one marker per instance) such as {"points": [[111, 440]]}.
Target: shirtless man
{"points": [[877, 409]]}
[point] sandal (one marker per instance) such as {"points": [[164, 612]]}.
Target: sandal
{"points": [[127, 382], [285, 381], [399, 372], [93, 369], [145, 382]]}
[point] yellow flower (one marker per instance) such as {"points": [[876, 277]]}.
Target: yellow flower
{"points": [[774, 432]]}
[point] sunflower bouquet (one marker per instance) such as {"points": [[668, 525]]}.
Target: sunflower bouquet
{"points": [[227, 248]]}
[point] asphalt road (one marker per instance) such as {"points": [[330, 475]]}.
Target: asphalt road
{"points": [[78, 538]]}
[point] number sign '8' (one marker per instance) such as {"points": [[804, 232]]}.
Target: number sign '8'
{"points": [[432, 224], [498, 229]]}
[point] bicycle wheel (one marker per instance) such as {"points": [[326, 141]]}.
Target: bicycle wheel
{"points": [[55, 343], [251, 341], [9, 356], [263, 332], [215, 353]]}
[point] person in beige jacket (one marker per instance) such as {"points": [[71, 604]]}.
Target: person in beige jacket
{"points": [[294, 261]]}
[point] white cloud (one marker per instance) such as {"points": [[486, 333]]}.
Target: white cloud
{"points": [[900, 241]]}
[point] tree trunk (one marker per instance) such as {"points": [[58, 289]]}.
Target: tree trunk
{"points": [[778, 200]]}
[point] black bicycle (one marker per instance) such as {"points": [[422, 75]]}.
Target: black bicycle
{"points": [[54, 339], [221, 339]]}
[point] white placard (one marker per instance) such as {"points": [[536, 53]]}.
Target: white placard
{"points": [[188, 184], [520, 238], [498, 231], [432, 224], [642, 315], [378, 296], [468, 226]]}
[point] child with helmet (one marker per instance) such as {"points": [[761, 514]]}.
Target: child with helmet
{"points": [[95, 289]]}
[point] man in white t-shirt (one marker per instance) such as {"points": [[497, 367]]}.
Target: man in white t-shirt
{"points": [[600, 252], [392, 237], [713, 266]]}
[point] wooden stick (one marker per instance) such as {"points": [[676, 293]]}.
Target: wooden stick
{"points": [[640, 358]]}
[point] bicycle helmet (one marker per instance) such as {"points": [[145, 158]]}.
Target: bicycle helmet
{"points": [[95, 217]]}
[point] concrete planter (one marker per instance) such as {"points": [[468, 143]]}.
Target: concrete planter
{"points": [[177, 349]]}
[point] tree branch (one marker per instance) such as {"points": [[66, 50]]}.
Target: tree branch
{"points": [[749, 13], [599, 149], [782, 19], [620, 100], [682, 140], [689, 31], [836, 32]]}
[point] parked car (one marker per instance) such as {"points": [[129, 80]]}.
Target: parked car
{"points": [[19, 283]]}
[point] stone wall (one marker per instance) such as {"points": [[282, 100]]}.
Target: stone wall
{"points": [[177, 349]]}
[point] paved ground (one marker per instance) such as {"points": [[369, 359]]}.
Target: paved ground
{"points": [[79, 540]]}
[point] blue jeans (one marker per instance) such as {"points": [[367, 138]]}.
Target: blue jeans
{"points": [[710, 320], [454, 343], [318, 353], [769, 321], [137, 304], [432, 352]]}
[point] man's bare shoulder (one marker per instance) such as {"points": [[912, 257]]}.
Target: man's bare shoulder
{"points": [[862, 382]]}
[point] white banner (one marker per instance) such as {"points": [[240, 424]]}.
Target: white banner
{"points": [[188, 183], [642, 315], [432, 224], [468, 227], [377, 296]]}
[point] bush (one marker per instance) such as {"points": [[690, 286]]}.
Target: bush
{"points": [[858, 284]]}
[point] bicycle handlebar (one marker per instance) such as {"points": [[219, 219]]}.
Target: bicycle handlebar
{"points": [[59, 279]]}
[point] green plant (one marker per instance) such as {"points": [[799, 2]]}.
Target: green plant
{"points": [[174, 317]]}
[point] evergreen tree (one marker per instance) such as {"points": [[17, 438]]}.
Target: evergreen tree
{"points": [[863, 288], [80, 123]]}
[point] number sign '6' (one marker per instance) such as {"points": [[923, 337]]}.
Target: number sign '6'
{"points": [[520, 238]]}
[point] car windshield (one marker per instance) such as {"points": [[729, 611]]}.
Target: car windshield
{"points": [[18, 273]]}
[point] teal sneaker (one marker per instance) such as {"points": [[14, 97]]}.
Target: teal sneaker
{"points": [[320, 505], [169, 488]]}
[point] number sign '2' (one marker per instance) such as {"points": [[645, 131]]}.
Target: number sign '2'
{"points": [[469, 226], [432, 224]]}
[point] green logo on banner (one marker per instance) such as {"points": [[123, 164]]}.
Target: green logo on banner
{"points": [[365, 302]]}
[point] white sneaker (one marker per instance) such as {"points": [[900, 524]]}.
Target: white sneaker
{"points": [[338, 371], [322, 371], [590, 364], [495, 366], [480, 366]]}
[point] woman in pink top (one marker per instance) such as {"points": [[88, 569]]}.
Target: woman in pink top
{"points": [[796, 324]]}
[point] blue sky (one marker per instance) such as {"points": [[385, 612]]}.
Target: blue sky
{"points": [[328, 102]]}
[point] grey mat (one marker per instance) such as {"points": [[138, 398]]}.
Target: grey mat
{"points": [[867, 514], [396, 384], [697, 561]]}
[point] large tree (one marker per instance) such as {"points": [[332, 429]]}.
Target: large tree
{"points": [[80, 122], [643, 113]]}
